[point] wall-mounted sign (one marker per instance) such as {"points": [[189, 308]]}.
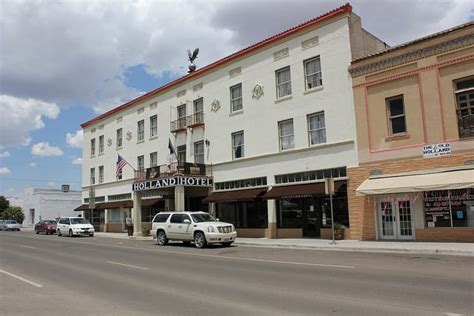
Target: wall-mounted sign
{"points": [[436, 150], [171, 182]]}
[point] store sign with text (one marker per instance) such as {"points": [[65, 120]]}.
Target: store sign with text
{"points": [[436, 150], [173, 181]]}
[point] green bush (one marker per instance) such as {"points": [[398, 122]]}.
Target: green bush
{"points": [[13, 212]]}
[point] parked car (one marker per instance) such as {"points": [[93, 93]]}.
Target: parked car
{"points": [[74, 226], [46, 226], [199, 227], [9, 224]]}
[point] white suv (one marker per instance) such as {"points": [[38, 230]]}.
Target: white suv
{"points": [[199, 227], [74, 226]]}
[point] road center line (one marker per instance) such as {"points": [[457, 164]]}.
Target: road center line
{"points": [[127, 265], [21, 279], [29, 247]]}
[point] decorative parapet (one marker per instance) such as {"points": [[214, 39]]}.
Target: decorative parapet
{"points": [[414, 55]]}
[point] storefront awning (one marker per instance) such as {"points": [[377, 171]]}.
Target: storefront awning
{"points": [[150, 202], [448, 180], [117, 204], [83, 207], [237, 195], [300, 190]]}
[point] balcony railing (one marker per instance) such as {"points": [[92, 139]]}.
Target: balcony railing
{"points": [[466, 124], [186, 168], [194, 120], [179, 124]]}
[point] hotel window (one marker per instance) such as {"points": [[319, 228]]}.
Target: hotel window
{"points": [[316, 128], [198, 111], [153, 159], [101, 174], [119, 138], [238, 145], [396, 115], [140, 162], [283, 82], [153, 126], [199, 152], [101, 145], [181, 154], [312, 72], [236, 98], [140, 130], [465, 107], [286, 133], [92, 175], [181, 111], [93, 147]]}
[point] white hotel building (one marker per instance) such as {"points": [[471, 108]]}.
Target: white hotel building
{"points": [[255, 134]]}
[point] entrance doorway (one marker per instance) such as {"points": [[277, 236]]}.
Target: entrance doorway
{"points": [[395, 220]]}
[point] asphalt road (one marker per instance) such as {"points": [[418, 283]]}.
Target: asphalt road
{"points": [[50, 275]]}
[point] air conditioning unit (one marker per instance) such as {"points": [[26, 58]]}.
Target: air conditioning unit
{"points": [[65, 187]]}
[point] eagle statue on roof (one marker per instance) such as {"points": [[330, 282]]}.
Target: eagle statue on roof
{"points": [[192, 57]]}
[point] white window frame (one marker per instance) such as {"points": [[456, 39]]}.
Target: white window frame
{"points": [[119, 134], [101, 174], [153, 125], [140, 130], [141, 162], [199, 152], [101, 145], [290, 136], [280, 85], [93, 147], [234, 146], [181, 115], [92, 176], [317, 75], [236, 103], [154, 159], [390, 117], [318, 130]]}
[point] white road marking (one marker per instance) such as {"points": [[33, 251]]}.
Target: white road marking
{"points": [[29, 247], [21, 279], [127, 265], [453, 314]]}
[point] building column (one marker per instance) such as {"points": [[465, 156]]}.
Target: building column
{"points": [[137, 214], [106, 220], [179, 204], [272, 231]]}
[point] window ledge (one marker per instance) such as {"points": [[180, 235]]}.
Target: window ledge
{"points": [[118, 148], [92, 156], [314, 90], [236, 112], [397, 137], [153, 137], [140, 141], [287, 97], [101, 154], [318, 145]]}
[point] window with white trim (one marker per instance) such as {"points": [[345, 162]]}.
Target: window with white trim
{"points": [[236, 98], [101, 174], [198, 111], [396, 115], [141, 162], [283, 82], [312, 72], [101, 145], [153, 125], [141, 130], [238, 145], [181, 111], [119, 138], [199, 152], [92, 178], [286, 134], [153, 159], [316, 128], [93, 147]]}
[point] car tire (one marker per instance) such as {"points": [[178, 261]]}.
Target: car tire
{"points": [[227, 244], [37, 231], [91, 235], [161, 238], [59, 232], [70, 233], [200, 240]]}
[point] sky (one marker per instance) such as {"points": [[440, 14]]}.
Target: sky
{"points": [[64, 62]]}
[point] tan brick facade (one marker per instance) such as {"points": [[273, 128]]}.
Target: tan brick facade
{"points": [[361, 208]]}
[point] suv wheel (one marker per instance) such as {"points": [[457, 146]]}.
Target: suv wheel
{"points": [[37, 231], [161, 238], [70, 233], [59, 232], [200, 240]]}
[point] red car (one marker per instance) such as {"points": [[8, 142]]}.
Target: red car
{"points": [[46, 226]]}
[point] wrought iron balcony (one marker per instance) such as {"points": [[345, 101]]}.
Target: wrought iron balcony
{"points": [[466, 123], [186, 168], [195, 120], [179, 124]]}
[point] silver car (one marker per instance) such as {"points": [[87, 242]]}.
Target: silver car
{"points": [[9, 224]]}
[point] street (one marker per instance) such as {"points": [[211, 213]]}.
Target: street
{"points": [[50, 275]]}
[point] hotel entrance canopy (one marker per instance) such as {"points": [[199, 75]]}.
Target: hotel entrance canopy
{"points": [[442, 180]]}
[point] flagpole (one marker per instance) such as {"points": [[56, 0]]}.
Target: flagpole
{"points": [[126, 161]]}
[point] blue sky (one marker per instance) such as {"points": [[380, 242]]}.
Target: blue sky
{"points": [[76, 59]]}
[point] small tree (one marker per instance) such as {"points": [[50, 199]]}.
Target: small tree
{"points": [[4, 203], [13, 212]]}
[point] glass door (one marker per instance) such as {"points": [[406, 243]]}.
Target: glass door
{"points": [[387, 220], [395, 220]]}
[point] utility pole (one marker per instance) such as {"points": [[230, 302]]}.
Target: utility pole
{"points": [[329, 188]]}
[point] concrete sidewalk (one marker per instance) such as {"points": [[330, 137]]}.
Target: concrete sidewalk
{"points": [[441, 248]]}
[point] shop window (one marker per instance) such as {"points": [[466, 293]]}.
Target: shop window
{"points": [[290, 213], [114, 215], [453, 208], [396, 115], [244, 214]]}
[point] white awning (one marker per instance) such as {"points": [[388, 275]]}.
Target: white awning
{"points": [[448, 180]]}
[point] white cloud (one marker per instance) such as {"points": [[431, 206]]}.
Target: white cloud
{"points": [[77, 161], [75, 140], [4, 154], [4, 170], [33, 164], [45, 150], [21, 116]]}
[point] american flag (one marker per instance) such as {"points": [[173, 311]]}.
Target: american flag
{"points": [[120, 164]]}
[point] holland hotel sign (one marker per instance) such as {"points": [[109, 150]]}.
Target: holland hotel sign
{"points": [[171, 182]]}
